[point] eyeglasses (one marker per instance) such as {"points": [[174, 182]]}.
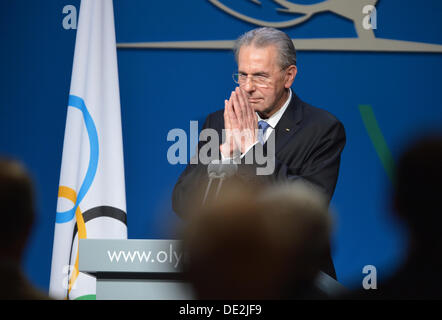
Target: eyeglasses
{"points": [[258, 80]]}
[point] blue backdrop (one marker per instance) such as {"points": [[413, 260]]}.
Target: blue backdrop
{"points": [[165, 89]]}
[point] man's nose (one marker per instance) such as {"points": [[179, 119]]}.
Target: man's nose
{"points": [[249, 85]]}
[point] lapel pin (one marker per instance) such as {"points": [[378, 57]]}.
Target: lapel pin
{"points": [[287, 129]]}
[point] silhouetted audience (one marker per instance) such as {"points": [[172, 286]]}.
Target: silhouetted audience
{"points": [[258, 244], [17, 212], [417, 201]]}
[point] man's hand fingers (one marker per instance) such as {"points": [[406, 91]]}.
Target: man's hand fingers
{"points": [[250, 113], [255, 119], [227, 124], [243, 103], [237, 109], [234, 122]]}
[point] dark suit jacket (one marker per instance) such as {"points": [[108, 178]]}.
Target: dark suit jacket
{"points": [[309, 142]]}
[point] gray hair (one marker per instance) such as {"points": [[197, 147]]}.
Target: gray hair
{"points": [[263, 37]]}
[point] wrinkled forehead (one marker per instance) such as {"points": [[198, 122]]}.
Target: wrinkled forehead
{"points": [[257, 59]]}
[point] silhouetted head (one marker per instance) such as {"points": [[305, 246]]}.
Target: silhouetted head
{"points": [[16, 208], [265, 244], [418, 193]]}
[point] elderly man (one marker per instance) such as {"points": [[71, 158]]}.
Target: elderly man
{"points": [[264, 114]]}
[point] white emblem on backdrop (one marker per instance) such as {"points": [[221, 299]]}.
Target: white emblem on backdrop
{"points": [[362, 13]]}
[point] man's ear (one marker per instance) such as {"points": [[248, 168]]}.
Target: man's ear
{"points": [[290, 75]]}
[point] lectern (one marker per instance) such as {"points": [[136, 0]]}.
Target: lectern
{"points": [[135, 269], [148, 270]]}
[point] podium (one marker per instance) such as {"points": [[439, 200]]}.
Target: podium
{"points": [[148, 270], [135, 269]]}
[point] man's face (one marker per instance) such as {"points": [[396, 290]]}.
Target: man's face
{"points": [[267, 91]]}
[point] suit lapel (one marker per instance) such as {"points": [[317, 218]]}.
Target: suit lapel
{"points": [[289, 123]]}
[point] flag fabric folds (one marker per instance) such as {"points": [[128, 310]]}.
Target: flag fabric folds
{"points": [[91, 196]]}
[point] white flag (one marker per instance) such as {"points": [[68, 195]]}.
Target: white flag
{"points": [[91, 197]]}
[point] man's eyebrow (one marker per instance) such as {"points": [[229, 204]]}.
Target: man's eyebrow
{"points": [[259, 73]]}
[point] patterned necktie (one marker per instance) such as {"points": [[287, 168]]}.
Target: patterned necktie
{"points": [[261, 133]]}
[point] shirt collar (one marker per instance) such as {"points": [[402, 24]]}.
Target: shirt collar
{"points": [[274, 119]]}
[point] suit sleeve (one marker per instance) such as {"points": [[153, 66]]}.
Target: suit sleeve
{"points": [[188, 189], [321, 166]]}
